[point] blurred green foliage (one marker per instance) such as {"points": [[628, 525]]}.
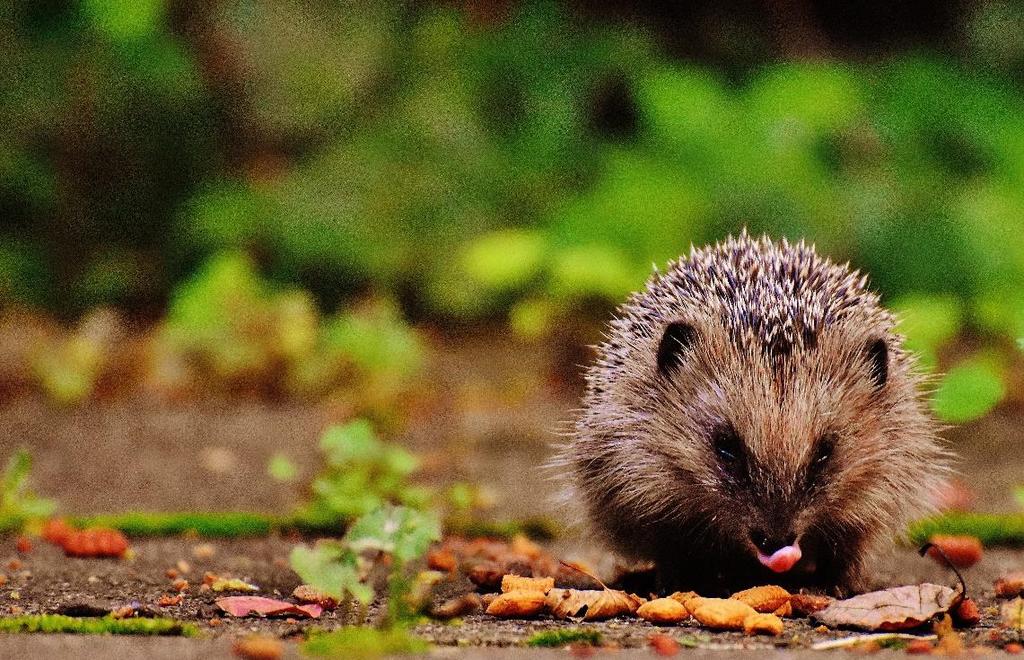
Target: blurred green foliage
{"points": [[18, 504], [239, 331], [522, 167]]}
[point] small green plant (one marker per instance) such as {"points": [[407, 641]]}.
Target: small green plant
{"points": [[361, 474], [391, 537], [107, 625], [560, 637], [360, 642], [18, 503]]}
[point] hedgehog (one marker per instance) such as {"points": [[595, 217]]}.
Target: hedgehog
{"points": [[752, 417]]}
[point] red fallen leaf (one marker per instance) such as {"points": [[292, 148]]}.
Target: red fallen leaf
{"points": [[899, 608], [962, 551], [245, 605]]}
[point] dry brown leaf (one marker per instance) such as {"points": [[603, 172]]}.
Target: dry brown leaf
{"points": [[459, 606], [899, 608], [1011, 585], [762, 624], [763, 599], [719, 613], [1012, 614], [591, 604], [305, 593], [663, 610], [517, 582], [808, 604], [517, 604]]}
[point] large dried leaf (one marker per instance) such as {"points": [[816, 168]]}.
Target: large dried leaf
{"points": [[899, 608], [591, 604]]}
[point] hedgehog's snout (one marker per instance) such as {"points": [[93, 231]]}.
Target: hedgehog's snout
{"points": [[777, 551]]}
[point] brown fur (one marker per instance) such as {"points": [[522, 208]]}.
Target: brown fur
{"points": [[779, 351]]}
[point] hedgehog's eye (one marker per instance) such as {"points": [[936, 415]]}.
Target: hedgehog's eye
{"points": [[728, 447], [823, 451]]}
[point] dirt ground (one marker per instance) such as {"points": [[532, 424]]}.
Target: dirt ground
{"points": [[490, 422]]}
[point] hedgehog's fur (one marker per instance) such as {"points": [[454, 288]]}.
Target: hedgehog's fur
{"points": [[793, 358]]}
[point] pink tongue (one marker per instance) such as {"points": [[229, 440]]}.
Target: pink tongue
{"points": [[782, 559]]}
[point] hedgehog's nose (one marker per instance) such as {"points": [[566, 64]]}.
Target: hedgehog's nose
{"points": [[769, 543], [779, 553]]}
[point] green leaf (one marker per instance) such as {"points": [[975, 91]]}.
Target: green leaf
{"points": [[19, 465], [353, 442], [331, 568], [404, 533], [970, 390]]}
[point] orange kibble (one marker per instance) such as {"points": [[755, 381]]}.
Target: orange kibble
{"points": [[764, 599], [180, 585], [720, 613], [517, 604], [169, 601], [663, 611], [516, 582], [762, 624]]}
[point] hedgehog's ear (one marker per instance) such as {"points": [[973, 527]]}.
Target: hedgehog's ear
{"points": [[676, 340], [878, 362]]}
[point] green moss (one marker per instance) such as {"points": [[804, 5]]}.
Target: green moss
{"points": [[222, 524], [236, 524], [58, 623], [564, 636], [359, 642], [990, 528]]}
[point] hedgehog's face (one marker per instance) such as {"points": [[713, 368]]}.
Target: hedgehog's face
{"points": [[789, 454]]}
